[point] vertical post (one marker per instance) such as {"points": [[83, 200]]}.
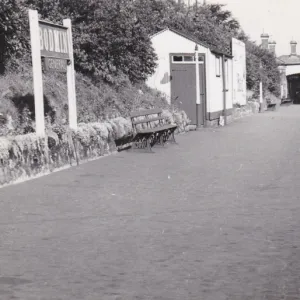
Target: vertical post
{"points": [[224, 89], [71, 79], [261, 100], [37, 72], [197, 84]]}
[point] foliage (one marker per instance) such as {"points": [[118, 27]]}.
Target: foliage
{"points": [[215, 26], [261, 64], [111, 38], [113, 56], [95, 102], [108, 39], [13, 30]]}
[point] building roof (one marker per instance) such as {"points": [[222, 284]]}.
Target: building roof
{"points": [[289, 60], [212, 48], [264, 35], [279, 61]]}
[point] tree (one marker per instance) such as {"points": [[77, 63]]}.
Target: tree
{"points": [[13, 30], [269, 74], [111, 38], [108, 38]]}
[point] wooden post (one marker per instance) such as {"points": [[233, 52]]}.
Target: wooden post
{"points": [[37, 72], [71, 79], [197, 85]]}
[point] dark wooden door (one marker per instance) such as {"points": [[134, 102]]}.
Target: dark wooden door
{"points": [[183, 89]]}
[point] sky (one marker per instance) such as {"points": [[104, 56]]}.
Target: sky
{"points": [[278, 18]]}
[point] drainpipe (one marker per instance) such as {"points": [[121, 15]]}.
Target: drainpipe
{"points": [[224, 90], [197, 85]]}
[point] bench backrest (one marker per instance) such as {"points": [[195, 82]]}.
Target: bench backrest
{"points": [[145, 112], [143, 117]]}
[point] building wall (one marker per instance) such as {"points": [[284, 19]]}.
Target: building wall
{"points": [[283, 83], [168, 42], [239, 72], [292, 70]]}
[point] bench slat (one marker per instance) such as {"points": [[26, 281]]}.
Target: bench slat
{"points": [[147, 120], [145, 112], [157, 129]]}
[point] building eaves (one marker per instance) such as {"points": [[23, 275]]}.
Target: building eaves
{"points": [[289, 60], [213, 49]]}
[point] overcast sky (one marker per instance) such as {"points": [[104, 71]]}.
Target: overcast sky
{"points": [[278, 18]]}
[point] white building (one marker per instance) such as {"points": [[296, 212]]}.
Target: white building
{"points": [[175, 76]]}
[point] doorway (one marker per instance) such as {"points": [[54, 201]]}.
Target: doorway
{"points": [[294, 87], [183, 85]]}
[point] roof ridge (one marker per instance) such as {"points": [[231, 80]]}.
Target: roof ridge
{"points": [[192, 37]]}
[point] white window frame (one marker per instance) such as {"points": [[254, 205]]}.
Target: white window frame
{"points": [[186, 62], [218, 66]]}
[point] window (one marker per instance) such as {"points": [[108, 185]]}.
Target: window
{"points": [[218, 66], [177, 58], [200, 58], [189, 58]]}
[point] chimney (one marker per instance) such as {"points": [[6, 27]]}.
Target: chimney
{"points": [[293, 48], [265, 41], [272, 47]]}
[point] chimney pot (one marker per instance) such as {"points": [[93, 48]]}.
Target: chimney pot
{"points": [[293, 47], [265, 40], [272, 46]]}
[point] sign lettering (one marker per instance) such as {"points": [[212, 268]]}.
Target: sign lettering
{"points": [[55, 64], [53, 40]]}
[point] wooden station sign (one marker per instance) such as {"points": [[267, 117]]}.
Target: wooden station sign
{"points": [[54, 46], [51, 48]]}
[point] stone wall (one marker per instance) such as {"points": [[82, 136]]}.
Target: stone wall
{"points": [[28, 156]]}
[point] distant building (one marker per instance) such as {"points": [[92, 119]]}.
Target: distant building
{"points": [[289, 68]]}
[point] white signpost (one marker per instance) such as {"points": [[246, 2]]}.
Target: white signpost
{"points": [[239, 72], [54, 44]]}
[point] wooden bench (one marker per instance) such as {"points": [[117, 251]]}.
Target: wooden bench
{"points": [[150, 128]]}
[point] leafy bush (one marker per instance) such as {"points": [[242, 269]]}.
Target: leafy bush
{"points": [[96, 102]]}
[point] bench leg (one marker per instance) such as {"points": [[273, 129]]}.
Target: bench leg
{"points": [[143, 144], [159, 140], [171, 137]]}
